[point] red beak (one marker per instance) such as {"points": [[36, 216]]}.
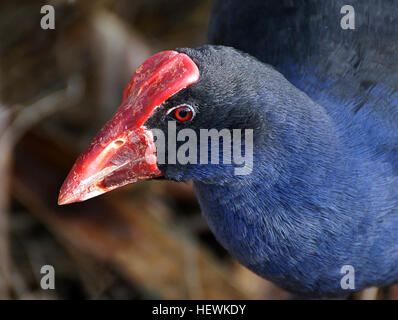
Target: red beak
{"points": [[123, 151]]}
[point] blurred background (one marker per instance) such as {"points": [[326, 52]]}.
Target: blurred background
{"points": [[57, 88]]}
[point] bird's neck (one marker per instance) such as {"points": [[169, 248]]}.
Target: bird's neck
{"points": [[281, 198], [298, 166]]}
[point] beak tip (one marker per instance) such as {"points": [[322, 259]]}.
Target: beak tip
{"points": [[66, 197], [62, 200]]}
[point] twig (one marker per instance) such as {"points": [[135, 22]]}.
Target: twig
{"points": [[4, 177], [32, 114]]}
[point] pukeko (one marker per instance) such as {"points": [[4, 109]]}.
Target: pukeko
{"points": [[322, 101]]}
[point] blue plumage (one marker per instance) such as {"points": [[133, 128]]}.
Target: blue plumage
{"points": [[319, 197], [324, 189]]}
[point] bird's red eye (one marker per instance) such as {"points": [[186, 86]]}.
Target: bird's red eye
{"points": [[182, 113]]}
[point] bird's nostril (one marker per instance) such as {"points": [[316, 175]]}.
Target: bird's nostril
{"points": [[101, 184], [119, 143]]}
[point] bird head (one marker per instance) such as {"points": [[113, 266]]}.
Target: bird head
{"points": [[210, 87]]}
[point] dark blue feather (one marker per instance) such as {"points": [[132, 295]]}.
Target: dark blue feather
{"points": [[324, 188], [336, 203]]}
